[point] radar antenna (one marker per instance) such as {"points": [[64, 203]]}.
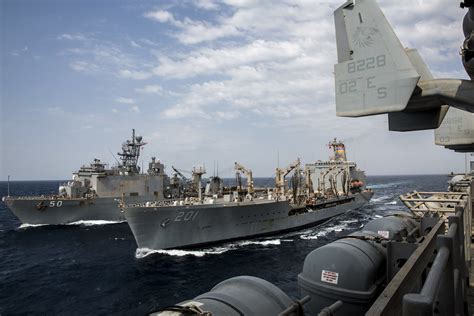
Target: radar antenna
{"points": [[130, 154]]}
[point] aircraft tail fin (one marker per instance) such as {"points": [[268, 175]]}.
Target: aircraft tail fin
{"points": [[417, 120], [374, 73]]}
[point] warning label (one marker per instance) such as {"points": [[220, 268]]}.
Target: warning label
{"points": [[384, 233], [329, 276]]}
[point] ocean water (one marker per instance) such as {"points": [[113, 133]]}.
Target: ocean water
{"points": [[95, 268]]}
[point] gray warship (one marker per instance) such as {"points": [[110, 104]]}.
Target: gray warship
{"points": [[325, 189], [93, 192]]}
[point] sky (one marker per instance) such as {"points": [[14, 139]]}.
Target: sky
{"points": [[204, 82]]}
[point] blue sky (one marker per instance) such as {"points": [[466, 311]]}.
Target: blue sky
{"points": [[203, 82]]}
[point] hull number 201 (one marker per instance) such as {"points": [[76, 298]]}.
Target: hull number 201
{"points": [[186, 216]]}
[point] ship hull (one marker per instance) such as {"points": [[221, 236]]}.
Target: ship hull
{"points": [[196, 225], [59, 211]]}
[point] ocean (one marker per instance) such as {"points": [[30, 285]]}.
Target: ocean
{"points": [[95, 268]]}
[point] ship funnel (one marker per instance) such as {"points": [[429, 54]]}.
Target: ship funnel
{"points": [[338, 151]]}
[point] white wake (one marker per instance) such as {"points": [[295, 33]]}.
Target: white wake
{"points": [[145, 252]]}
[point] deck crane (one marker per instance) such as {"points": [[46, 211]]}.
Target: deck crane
{"points": [[179, 173], [239, 168], [322, 180], [179, 182], [281, 174]]}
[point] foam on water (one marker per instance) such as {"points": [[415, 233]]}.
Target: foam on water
{"points": [[391, 203], [145, 252], [322, 232], [386, 185], [26, 226], [261, 243], [65, 260], [94, 223], [381, 198]]}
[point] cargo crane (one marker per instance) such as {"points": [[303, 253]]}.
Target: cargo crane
{"points": [[239, 168], [281, 174], [180, 183], [179, 174]]}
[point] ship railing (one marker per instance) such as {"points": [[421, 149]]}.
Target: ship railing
{"points": [[443, 204], [445, 284], [433, 279], [41, 197]]}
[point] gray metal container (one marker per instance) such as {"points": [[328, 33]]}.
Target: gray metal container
{"points": [[390, 225], [242, 295], [348, 269]]}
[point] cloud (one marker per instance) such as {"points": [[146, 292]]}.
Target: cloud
{"points": [[207, 4], [135, 44], [94, 55], [133, 74], [83, 66], [71, 37], [161, 16], [193, 32], [135, 109], [150, 89], [125, 100], [275, 60], [18, 52], [216, 61]]}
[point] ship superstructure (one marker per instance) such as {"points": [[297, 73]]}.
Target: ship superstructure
{"points": [[326, 189], [334, 177], [93, 192]]}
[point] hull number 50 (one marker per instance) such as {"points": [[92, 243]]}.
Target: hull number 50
{"points": [[55, 203]]}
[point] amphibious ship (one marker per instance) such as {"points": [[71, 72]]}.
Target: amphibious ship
{"points": [[325, 189], [94, 190]]}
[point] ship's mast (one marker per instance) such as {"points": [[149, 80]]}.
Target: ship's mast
{"points": [[197, 176], [130, 154]]}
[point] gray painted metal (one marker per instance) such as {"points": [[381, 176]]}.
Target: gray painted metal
{"points": [[94, 191], [407, 279], [390, 226], [242, 295], [70, 210], [192, 225], [444, 284], [457, 129], [376, 75], [467, 50], [426, 119], [331, 310], [351, 270]]}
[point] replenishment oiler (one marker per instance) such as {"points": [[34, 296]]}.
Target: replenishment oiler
{"points": [[94, 191], [327, 189]]}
